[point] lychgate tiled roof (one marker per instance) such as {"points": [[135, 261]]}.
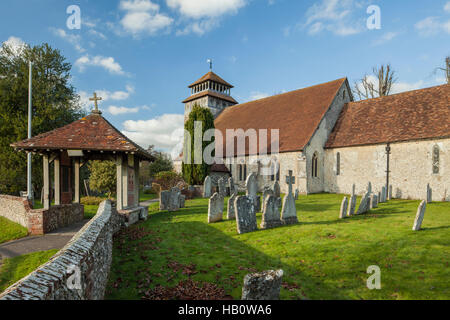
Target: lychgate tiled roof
{"points": [[296, 114], [93, 133], [213, 77], [414, 115]]}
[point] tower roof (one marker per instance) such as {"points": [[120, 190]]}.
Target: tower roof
{"points": [[212, 77], [91, 133]]}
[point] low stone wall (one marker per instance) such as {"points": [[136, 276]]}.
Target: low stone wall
{"points": [[40, 221], [15, 209], [87, 258]]}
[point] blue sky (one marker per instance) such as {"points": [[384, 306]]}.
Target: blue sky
{"points": [[141, 55]]}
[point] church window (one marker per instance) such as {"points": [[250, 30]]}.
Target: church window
{"points": [[315, 165], [338, 164], [436, 159], [240, 172], [245, 172], [344, 94]]}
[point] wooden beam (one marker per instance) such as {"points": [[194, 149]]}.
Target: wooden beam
{"points": [[119, 165], [57, 181], [46, 177], [77, 179]]}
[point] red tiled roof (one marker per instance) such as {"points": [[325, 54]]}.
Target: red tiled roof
{"points": [[414, 115], [297, 114], [213, 77], [90, 133], [211, 94]]}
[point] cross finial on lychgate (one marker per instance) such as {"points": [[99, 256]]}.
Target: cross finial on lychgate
{"points": [[95, 99]]}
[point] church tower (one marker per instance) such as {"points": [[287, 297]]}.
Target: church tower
{"points": [[210, 91]]}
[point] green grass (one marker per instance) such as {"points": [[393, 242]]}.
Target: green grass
{"points": [[10, 230], [323, 257], [144, 196], [14, 269]]}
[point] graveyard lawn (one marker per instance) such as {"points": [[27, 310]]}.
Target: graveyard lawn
{"points": [[323, 257], [14, 269], [10, 230]]}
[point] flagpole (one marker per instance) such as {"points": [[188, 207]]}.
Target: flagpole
{"points": [[30, 90]]}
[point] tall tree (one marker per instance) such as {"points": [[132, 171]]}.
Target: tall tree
{"points": [[55, 104], [196, 173], [378, 84], [103, 177], [163, 162]]}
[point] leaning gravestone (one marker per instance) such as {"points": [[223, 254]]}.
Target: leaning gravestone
{"points": [[271, 215], [352, 206], [164, 198], [222, 184], [344, 206], [419, 216], [207, 187], [231, 212], [262, 286], [174, 200], [267, 191], [373, 201], [289, 212], [364, 205], [245, 214], [429, 193], [215, 208]]}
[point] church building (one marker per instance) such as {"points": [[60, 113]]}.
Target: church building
{"points": [[331, 142]]}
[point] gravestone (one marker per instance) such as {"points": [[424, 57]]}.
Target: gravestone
{"points": [[267, 191], [289, 212], [262, 286], [296, 195], [379, 197], [354, 190], [365, 204], [182, 201], [207, 187], [352, 206], [164, 198], [383, 194], [174, 200], [251, 185], [222, 185], [419, 216], [276, 189], [215, 208], [271, 215], [373, 201], [389, 197], [231, 185], [344, 206], [429, 193], [369, 188], [245, 214], [231, 212]]}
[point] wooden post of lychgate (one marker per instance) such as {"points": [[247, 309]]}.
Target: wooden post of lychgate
{"points": [[46, 177]]}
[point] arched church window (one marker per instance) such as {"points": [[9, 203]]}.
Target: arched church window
{"points": [[344, 94], [240, 172], [315, 165], [338, 163], [436, 159]]}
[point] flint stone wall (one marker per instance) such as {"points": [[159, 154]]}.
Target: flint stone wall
{"points": [[40, 221], [90, 250]]}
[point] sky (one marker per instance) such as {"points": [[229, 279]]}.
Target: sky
{"points": [[140, 55]]}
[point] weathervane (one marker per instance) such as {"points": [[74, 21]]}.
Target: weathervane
{"points": [[210, 61], [96, 99]]}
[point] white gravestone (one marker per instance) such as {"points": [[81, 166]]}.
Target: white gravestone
{"points": [[231, 211], [344, 206], [271, 215], [215, 208], [419, 216], [207, 187]]}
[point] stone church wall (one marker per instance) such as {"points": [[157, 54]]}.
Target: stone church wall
{"points": [[410, 166], [89, 253]]}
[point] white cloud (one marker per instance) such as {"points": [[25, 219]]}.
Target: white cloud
{"points": [[388, 36], [334, 16], [106, 95], [143, 17], [16, 44], [256, 95], [198, 27], [73, 39], [97, 34], [108, 63], [114, 110], [447, 7], [431, 26], [165, 132], [206, 9]]}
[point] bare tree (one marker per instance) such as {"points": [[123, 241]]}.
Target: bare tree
{"points": [[368, 88], [446, 69]]}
